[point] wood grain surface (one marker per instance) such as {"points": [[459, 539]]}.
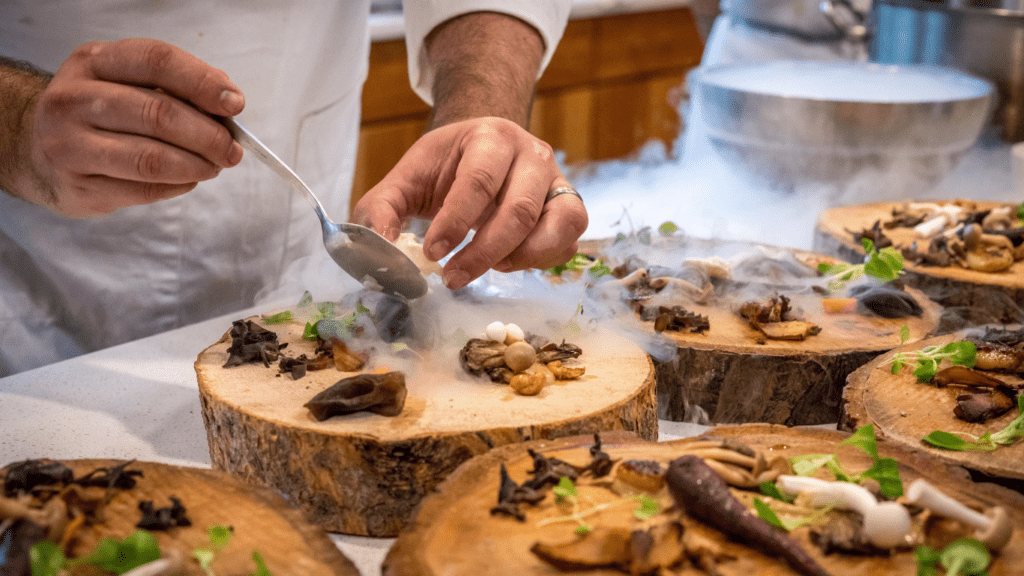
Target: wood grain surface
{"points": [[364, 473], [454, 534], [904, 410], [262, 520]]}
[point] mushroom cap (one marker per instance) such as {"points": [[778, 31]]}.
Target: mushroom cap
{"points": [[998, 533], [887, 524], [519, 356], [496, 331]]}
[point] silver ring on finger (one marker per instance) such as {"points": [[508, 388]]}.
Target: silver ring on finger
{"points": [[562, 190]]}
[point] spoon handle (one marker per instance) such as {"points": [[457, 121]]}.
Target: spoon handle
{"points": [[265, 155]]}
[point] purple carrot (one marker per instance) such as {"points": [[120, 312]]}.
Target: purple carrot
{"points": [[704, 495]]}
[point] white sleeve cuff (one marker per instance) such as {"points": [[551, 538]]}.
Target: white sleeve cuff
{"points": [[549, 17]]}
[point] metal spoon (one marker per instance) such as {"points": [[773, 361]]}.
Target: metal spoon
{"points": [[357, 249]]}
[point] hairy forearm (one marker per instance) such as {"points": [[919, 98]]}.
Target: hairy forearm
{"points": [[20, 85], [485, 64]]}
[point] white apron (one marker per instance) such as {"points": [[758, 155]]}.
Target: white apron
{"points": [[72, 286]]}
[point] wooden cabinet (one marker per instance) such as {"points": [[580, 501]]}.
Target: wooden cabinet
{"points": [[611, 86]]}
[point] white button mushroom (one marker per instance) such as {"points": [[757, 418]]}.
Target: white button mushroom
{"points": [[992, 528], [513, 333], [886, 524], [495, 331]]}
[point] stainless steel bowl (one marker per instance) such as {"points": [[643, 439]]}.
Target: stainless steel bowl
{"points": [[787, 123]]}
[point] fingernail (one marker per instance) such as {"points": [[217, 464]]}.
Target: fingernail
{"points": [[504, 266], [235, 154], [455, 279], [233, 101], [439, 249]]}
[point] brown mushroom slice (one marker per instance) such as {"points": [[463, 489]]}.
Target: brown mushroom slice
{"points": [[344, 359], [981, 407], [643, 475], [382, 394], [792, 330], [964, 376], [563, 372], [998, 358], [602, 547], [657, 548]]}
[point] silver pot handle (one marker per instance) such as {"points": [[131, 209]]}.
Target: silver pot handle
{"points": [[850, 22]]}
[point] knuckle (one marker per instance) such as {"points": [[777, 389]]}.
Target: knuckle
{"points": [[523, 213], [148, 162], [576, 222], [483, 186], [158, 114], [157, 56]]}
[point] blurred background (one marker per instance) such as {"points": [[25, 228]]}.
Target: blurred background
{"points": [[709, 114]]}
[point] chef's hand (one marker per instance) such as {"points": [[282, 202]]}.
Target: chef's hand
{"points": [[487, 174], [126, 123]]}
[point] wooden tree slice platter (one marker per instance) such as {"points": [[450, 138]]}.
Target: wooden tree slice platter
{"points": [[454, 534], [725, 376], [951, 285], [904, 410], [261, 519], [364, 473]]}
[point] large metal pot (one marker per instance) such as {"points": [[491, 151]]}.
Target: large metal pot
{"points": [[789, 123], [983, 37]]}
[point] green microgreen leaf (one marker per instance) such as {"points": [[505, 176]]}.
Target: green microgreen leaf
{"points": [[220, 535], [46, 559], [883, 470], [927, 360], [138, 548], [261, 566], [966, 556], [648, 508], [1020, 211], [598, 269], [205, 558], [1015, 429], [310, 332], [884, 265], [767, 514], [668, 228], [565, 490], [279, 318], [886, 472], [306, 299], [771, 490], [904, 334], [950, 441], [864, 439], [926, 558]]}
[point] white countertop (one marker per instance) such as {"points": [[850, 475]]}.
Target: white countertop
{"points": [[140, 400]]}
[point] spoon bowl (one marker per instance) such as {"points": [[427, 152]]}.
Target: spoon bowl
{"points": [[358, 250]]}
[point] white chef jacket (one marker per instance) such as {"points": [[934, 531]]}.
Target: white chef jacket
{"points": [[70, 286]]}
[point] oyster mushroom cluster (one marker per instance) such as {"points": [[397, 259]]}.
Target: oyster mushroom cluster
{"points": [[959, 234], [507, 355]]}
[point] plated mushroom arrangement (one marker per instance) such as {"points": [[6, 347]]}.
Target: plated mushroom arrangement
{"points": [[751, 499]]}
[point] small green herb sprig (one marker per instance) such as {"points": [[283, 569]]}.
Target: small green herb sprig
{"points": [[926, 361], [766, 513], [567, 495], [136, 549], [962, 442], [885, 264], [117, 556], [581, 262], [964, 557], [885, 471]]}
